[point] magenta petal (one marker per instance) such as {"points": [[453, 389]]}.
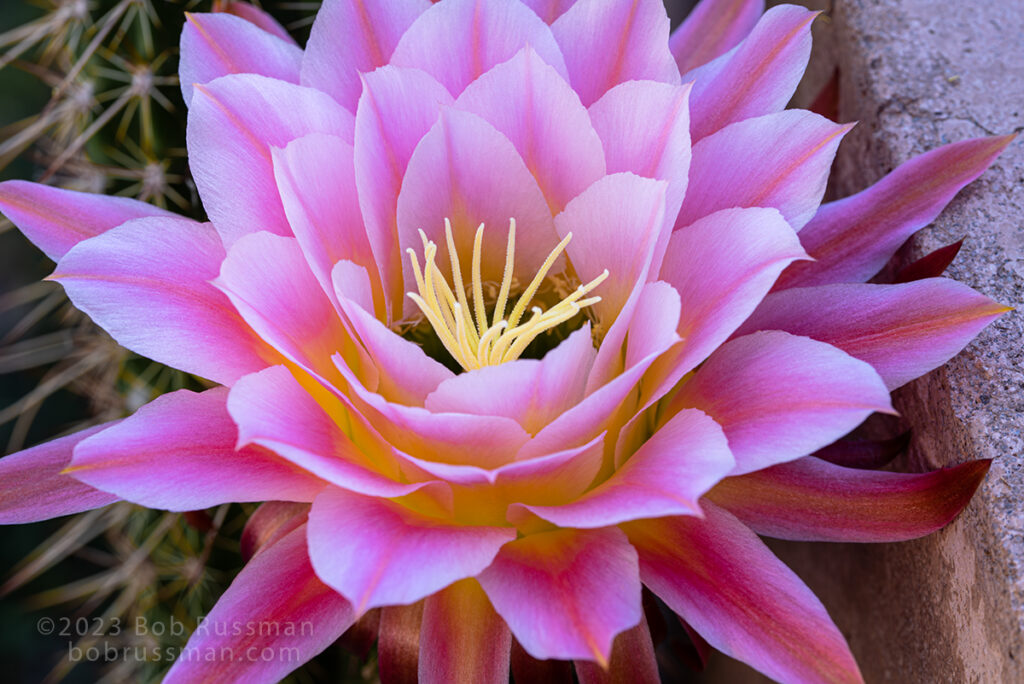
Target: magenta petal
{"points": [[396, 109], [34, 487], [779, 397], [462, 639], [268, 280], [533, 393], [274, 411], [711, 29], [351, 37], [276, 588], [813, 500], [147, 283], [178, 453], [232, 125], [645, 128], [214, 45], [549, 10], [722, 266], [477, 35], [565, 594], [55, 220], [722, 580], [466, 171], [779, 160], [666, 476], [852, 239], [903, 330], [257, 16], [316, 179], [378, 553], [757, 77], [608, 43], [595, 219], [534, 107]]}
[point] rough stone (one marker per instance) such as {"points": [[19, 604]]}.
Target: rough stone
{"points": [[917, 74]]}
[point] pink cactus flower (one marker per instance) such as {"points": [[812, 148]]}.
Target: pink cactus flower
{"points": [[514, 309]]}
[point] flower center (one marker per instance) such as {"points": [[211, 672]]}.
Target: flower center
{"points": [[466, 333]]}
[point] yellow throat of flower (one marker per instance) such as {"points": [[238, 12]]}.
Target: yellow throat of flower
{"points": [[465, 333]]}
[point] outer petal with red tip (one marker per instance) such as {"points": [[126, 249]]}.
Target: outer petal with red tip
{"points": [[903, 331], [814, 500], [719, 577], [34, 487], [853, 238]]}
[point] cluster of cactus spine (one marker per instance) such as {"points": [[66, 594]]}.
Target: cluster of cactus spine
{"points": [[114, 122]]}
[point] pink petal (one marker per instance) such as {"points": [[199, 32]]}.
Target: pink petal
{"points": [[810, 499], [178, 453], [147, 283], [466, 171], [779, 397], [654, 322], [267, 279], [534, 107], [214, 45], [533, 393], [666, 476], [586, 419], [378, 553], [462, 638], [903, 330], [277, 587], [232, 125], [350, 37], [853, 238], [608, 43], [406, 374], [255, 15], [565, 594], [477, 35], [55, 220], [34, 487], [722, 266], [549, 10], [274, 411], [398, 647], [269, 523], [316, 180], [645, 128], [711, 29], [396, 109], [779, 160], [722, 580], [757, 77], [632, 661], [596, 219], [457, 438]]}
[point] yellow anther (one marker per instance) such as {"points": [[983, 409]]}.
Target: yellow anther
{"points": [[463, 330]]}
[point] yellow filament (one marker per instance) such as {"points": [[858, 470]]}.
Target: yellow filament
{"points": [[465, 332]]}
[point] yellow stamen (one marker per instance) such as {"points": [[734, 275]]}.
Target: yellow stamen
{"points": [[464, 332]]}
